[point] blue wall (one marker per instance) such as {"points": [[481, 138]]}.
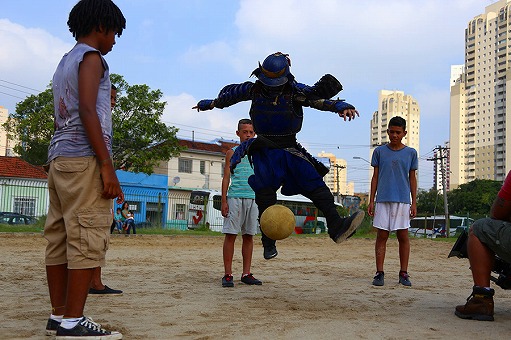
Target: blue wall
{"points": [[148, 192]]}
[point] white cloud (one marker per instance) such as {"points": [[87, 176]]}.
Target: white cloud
{"points": [[204, 125], [27, 56]]}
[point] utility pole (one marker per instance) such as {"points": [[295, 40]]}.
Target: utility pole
{"points": [[441, 157], [338, 168]]}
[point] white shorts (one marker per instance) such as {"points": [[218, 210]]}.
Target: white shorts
{"points": [[243, 215], [391, 216]]}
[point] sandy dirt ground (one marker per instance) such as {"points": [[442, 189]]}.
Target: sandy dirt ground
{"points": [[314, 289]]}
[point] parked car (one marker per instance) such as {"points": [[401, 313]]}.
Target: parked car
{"points": [[15, 218]]}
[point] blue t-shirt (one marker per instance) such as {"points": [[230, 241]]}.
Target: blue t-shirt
{"points": [[394, 167]]}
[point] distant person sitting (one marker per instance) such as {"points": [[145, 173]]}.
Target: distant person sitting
{"points": [[129, 219], [117, 223]]}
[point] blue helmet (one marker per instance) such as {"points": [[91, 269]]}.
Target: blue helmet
{"points": [[275, 70]]}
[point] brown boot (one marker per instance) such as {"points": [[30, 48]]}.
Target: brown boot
{"points": [[479, 305]]}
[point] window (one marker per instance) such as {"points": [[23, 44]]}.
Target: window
{"points": [[185, 165], [24, 205], [203, 167], [180, 210]]}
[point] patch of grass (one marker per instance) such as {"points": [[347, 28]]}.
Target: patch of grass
{"points": [[32, 228]]}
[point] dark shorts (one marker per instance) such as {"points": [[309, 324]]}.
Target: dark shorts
{"points": [[496, 235], [274, 168]]}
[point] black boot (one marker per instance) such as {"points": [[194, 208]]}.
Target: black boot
{"points": [[339, 228], [264, 199]]}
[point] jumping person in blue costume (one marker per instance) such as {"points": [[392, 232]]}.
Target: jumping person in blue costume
{"points": [[279, 161]]}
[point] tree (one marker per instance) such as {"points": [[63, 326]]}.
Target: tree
{"points": [[474, 198], [430, 202], [140, 139], [31, 126]]}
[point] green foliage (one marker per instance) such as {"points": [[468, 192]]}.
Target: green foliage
{"points": [[140, 139], [31, 126], [474, 198], [429, 202]]}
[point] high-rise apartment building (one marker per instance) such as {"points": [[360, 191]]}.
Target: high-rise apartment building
{"points": [[5, 144], [336, 178], [391, 104], [478, 100]]}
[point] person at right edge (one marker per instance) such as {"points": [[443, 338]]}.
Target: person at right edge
{"points": [[279, 160], [487, 237], [394, 181]]}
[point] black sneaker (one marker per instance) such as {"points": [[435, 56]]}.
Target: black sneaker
{"points": [[106, 290], [249, 279], [379, 279], [404, 279], [227, 281], [51, 326], [88, 329], [348, 227], [270, 251]]}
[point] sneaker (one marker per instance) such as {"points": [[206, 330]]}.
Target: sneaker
{"points": [[270, 251], [106, 290], [348, 227], [479, 305], [51, 326], [88, 329], [379, 279], [249, 279], [404, 279], [227, 281]]}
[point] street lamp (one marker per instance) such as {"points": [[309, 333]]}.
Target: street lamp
{"points": [[365, 160]]}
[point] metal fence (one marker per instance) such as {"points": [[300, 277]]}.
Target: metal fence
{"points": [[157, 210]]}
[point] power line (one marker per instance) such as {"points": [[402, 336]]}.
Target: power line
{"points": [[26, 87]]}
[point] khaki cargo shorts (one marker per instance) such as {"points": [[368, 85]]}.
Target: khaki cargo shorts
{"points": [[78, 224]]}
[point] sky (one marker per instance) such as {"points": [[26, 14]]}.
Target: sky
{"points": [[190, 49]]}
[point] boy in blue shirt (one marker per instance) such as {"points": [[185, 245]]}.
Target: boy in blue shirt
{"points": [[395, 181]]}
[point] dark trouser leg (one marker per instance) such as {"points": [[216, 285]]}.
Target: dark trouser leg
{"points": [[264, 199], [324, 201], [339, 228]]}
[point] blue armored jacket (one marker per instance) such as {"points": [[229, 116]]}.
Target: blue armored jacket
{"points": [[277, 111]]}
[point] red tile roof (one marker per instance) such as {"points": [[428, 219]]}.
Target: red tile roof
{"points": [[222, 147], [18, 168]]}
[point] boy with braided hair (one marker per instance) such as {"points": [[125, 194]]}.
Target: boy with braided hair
{"points": [[81, 176], [278, 160]]}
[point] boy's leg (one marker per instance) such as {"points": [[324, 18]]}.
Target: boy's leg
{"points": [[404, 248], [246, 251], [95, 282], [380, 248], [78, 284], [228, 252], [57, 277], [339, 228]]}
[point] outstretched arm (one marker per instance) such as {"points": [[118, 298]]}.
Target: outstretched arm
{"points": [[229, 95], [343, 109]]}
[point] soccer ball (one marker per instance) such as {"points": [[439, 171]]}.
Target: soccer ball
{"points": [[277, 222]]}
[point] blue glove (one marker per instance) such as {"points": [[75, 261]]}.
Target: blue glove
{"points": [[342, 105], [205, 104], [239, 153]]}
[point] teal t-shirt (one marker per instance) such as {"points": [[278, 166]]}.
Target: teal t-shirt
{"points": [[239, 186]]}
